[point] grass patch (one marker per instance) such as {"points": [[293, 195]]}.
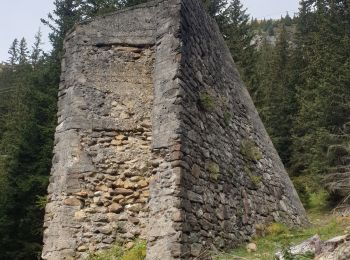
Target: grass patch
{"points": [[117, 252], [278, 237], [138, 252], [276, 229]]}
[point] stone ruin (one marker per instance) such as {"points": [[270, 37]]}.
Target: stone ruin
{"points": [[158, 139]]}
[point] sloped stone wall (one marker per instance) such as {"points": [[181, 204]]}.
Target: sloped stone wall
{"points": [[233, 180]]}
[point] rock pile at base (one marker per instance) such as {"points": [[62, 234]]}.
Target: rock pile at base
{"points": [[337, 248]]}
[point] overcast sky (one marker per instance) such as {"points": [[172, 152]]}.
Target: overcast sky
{"points": [[21, 18]]}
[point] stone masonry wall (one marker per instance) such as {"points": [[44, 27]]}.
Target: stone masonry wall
{"points": [[159, 139], [98, 193], [233, 180]]}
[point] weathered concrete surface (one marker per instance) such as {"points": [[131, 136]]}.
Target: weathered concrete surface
{"points": [[99, 186], [158, 138]]}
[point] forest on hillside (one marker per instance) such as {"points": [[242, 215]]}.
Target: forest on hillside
{"points": [[297, 70]]}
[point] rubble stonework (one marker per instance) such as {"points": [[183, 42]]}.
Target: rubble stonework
{"points": [[158, 138]]}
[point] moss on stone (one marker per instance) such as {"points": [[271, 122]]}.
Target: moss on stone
{"points": [[250, 150], [120, 226], [256, 180], [214, 170], [207, 101], [227, 117], [249, 171]]}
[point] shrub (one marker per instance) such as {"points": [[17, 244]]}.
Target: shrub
{"points": [[301, 185]]}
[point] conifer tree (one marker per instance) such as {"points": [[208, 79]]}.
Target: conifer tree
{"points": [[239, 37], [65, 15], [132, 2], [321, 89], [215, 8], [23, 51], [91, 8], [13, 52], [36, 48], [277, 94], [27, 124]]}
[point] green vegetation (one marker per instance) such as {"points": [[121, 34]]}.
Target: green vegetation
{"points": [[227, 118], [207, 101], [313, 196], [250, 150], [41, 201], [251, 154], [249, 170], [117, 252], [256, 180], [302, 75], [214, 170], [28, 90], [276, 229], [278, 237]]}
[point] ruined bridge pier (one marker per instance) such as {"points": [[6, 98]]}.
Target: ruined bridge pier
{"points": [[158, 139]]}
